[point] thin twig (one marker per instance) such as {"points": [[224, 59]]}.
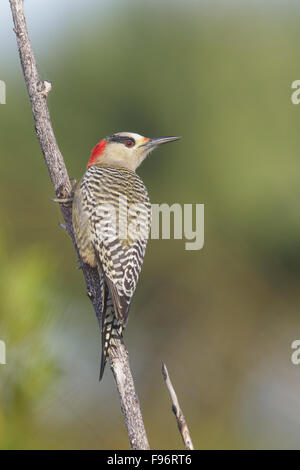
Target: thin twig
{"points": [[181, 422], [38, 92]]}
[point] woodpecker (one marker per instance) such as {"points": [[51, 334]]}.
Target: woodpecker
{"points": [[111, 221]]}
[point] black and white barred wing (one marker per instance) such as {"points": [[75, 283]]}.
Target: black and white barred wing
{"points": [[121, 261], [120, 233]]}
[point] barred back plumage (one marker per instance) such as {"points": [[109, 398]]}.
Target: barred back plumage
{"points": [[111, 220]]}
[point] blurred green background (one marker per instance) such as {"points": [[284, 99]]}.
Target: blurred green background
{"points": [[222, 318]]}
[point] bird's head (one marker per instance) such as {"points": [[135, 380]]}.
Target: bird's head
{"points": [[125, 149]]}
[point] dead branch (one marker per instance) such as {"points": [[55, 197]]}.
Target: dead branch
{"points": [[38, 92], [181, 422]]}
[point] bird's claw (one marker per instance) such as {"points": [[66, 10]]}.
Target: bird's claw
{"points": [[66, 200], [73, 183]]}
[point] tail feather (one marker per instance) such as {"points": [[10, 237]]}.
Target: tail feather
{"points": [[111, 329]]}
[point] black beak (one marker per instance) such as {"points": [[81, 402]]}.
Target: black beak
{"points": [[155, 141]]}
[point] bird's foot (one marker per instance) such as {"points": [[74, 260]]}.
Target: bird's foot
{"points": [[66, 200], [73, 183]]}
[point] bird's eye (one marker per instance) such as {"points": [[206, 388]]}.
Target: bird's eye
{"points": [[129, 143]]}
